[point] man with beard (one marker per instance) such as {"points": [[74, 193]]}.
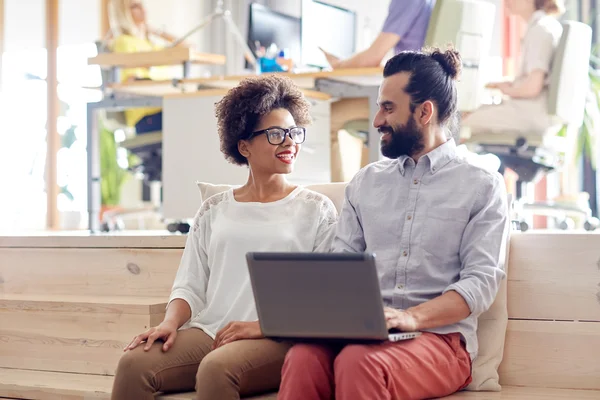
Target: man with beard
{"points": [[436, 225]]}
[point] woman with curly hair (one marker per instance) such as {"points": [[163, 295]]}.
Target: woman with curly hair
{"points": [[210, 338]]}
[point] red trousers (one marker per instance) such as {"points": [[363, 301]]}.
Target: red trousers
{"points": [[428, 366]]}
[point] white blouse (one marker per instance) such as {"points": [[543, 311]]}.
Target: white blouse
{"points": [[213, 274]]}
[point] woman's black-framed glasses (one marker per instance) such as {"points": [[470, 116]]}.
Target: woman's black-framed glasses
{"points": [[276, 135]]}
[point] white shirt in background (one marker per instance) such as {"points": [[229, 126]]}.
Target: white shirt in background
{"points": [[213, 274]]}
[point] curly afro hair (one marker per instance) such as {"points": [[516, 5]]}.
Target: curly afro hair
{"points": [[240, 110]]}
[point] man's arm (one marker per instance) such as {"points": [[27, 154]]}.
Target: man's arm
{"points": [[349, 232], [370, 57], [401, 18], [446, 309], [481, 271]]}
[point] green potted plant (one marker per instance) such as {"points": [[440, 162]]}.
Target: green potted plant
{"points": [[113, 176]]}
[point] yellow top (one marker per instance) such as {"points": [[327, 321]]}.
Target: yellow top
{"points": [[132, 44]]}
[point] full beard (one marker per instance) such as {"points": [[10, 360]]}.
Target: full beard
{"points": [[405, 140]]}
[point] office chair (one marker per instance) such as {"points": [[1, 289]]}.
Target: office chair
{"points": [[535, 154], [468, 25]]}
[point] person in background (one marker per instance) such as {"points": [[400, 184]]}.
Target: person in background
{"points": [[210, 338], [524, 108], [131, 34], [405, 28]]}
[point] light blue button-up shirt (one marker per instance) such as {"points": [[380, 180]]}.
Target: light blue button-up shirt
{"points": [[434, 226]]}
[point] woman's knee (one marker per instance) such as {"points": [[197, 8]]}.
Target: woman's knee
{"points": [[134, 367], [214, 370]]}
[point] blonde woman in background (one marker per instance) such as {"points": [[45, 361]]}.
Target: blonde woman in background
{"points": [[131, 34], [525, 107]]}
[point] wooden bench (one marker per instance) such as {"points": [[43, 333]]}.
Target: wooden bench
{"points": [[69, 303], [79, 334]]}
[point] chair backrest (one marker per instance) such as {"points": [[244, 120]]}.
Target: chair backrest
{"points": [[469, 26], [569, 79]]}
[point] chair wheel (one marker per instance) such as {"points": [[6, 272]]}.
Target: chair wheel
{"points": [[515, 225], [566, 224], [591, 224], [112, 225], [521, 144], [172, 227], [183, 227], [523, 226]]}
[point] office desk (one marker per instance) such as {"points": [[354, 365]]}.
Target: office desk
{"points": [[170, 56]]}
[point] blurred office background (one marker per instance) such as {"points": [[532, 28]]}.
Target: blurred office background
{"points": [[46, 83]]}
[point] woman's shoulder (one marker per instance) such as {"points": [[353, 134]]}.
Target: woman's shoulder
{"points": [[547, 26], [321, 202], [209, 205], [213, 201]]}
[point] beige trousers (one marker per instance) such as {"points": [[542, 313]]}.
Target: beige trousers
{"points": [[238, 369], [348, 153], [526, 116]]}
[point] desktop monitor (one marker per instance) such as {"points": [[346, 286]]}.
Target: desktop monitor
{"points": [[268, 26], [327, 26]]}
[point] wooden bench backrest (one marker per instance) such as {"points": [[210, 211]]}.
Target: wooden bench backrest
{"points": [[553, 337]]}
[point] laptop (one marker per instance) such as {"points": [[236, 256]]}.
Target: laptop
{"points": [[319, 296]]}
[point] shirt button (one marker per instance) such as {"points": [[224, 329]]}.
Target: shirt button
{"points": [[409, 217], [415, 181], [404, 253]]}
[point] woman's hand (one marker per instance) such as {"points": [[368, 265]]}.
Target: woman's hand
{"points": [[166, 331], [237, 330]]}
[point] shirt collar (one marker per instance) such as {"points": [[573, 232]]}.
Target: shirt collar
{"points": [[441, 155], [402, 163], [438, 157]]}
